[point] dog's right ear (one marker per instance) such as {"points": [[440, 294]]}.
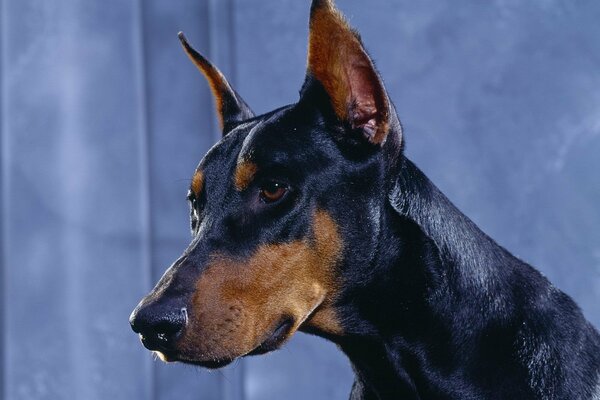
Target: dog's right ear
{"points": [[339, 63], [231, 108]]}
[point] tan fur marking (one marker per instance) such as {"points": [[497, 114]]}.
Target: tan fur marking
{"points": [[326, 320], [244, 173], [238, 303], [328, 245], [337, 59], [197, 183], [330, 34]]}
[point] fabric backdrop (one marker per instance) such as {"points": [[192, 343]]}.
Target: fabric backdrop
{"points": [[103, 120]]}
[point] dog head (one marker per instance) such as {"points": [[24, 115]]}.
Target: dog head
{"points": [[284, 209]]}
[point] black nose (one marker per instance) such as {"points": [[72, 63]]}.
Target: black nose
{"points": [[159, 325]]}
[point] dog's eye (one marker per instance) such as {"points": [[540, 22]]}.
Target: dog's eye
{"points": [[192, 200], [272, 191], [193, 211]]}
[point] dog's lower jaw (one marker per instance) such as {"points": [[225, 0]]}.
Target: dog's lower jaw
{"points": [[272, 340]]}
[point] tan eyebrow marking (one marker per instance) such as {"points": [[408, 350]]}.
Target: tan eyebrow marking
{"points": [[244, 173], [197, 182]]}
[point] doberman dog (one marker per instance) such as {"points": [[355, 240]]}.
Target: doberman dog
{"points": [[311, 218]]}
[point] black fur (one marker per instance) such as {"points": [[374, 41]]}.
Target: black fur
{"points": [[431, 307], [438, 310]]}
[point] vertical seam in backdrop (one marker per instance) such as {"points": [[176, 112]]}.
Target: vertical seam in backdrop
{"points": [[214, 44], [222, 54], [3, 195], [144, 152]]}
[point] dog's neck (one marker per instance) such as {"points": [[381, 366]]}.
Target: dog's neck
{"points": [[429, 256]]}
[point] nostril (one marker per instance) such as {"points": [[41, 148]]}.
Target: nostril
{"points": [[165, 331], [159, 330]]}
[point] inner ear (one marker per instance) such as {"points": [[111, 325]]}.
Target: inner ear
{"points": [[367, 103], [338, 60]]}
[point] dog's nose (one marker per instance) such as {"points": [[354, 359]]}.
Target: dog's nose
{"points": [[158, 325]]}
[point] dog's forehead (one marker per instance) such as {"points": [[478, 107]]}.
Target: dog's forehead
{"points": [[271, 134], [229, 146]]}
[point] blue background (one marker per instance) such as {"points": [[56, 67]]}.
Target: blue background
{"points": [[103, 120]]}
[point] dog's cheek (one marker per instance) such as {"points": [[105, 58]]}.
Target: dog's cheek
{"points": [[238, 302], [219, 326]]}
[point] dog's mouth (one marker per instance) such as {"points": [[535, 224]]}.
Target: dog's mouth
{"points": [[272, 341], [275, 338]]}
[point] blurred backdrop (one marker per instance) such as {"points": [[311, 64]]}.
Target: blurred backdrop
{"points": [[104, 120]]}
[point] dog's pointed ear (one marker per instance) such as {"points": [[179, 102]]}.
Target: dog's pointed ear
{"points": [[338, 60], [231, 108]]}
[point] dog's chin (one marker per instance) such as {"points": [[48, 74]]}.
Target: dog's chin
{"points": [[211, 364]]}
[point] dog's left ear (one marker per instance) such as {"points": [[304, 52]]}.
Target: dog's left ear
{"points": [[338, 60], [231, 108]]}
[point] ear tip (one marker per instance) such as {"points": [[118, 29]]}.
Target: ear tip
{"points": [[187, 47], [321, 3], [182, 38]]}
